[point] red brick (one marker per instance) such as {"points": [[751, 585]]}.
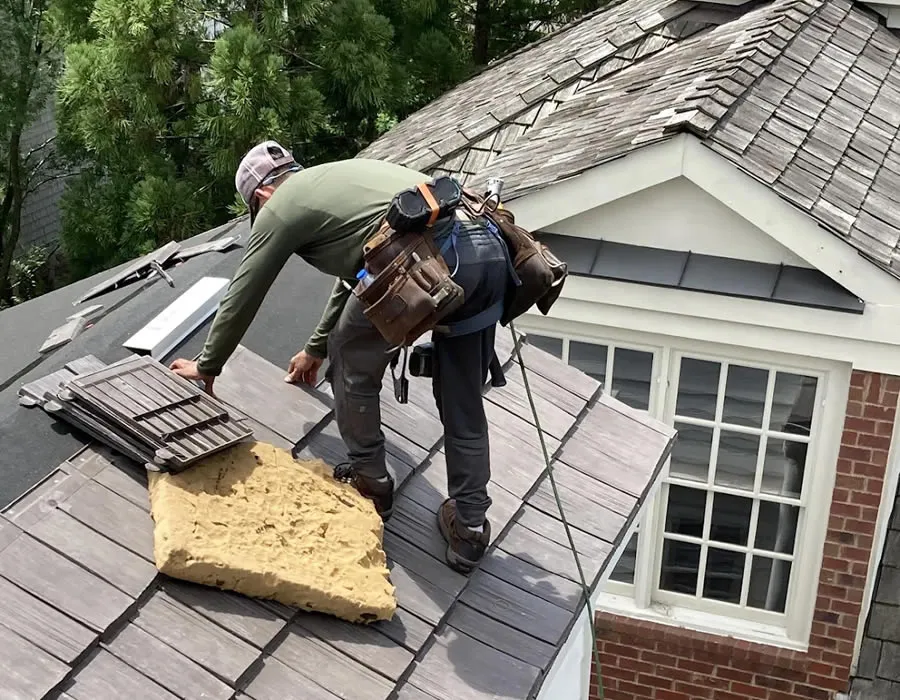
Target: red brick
{"points": [[879, 412], [695, 691], [859, 568], [777, 695], [878, 463], [870, 513], [733, 674], [861, 527], [833, 563], [873, 468], [829, 683], [860, 425], [856, 454], [654, 658], [655, 681], [845, 510], [670, 695], [866, 498], [633, 689], [852, 553], [845, 607], [696, 666], [621, 650], [767, 681], [858, 378], [884, 427], [616, 672], [879, 442], [849, 482], [806, 691], [855, 409], [749, 691], [635, 665]]}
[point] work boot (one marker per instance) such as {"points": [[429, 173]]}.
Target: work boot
{"points": [[379, 491], [465, 547]]}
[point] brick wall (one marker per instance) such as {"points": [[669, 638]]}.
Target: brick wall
{"points": [[648, 661]]}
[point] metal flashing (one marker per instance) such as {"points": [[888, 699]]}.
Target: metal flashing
{"points": [[675, 269], [179, 319]]}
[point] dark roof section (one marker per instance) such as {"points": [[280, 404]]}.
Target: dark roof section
{"points": [[677, 269], [800, 94], [32, 448], [94, 619], [878, 668]]}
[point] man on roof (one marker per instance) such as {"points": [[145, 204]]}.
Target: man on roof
{"points": [[325, 214]]}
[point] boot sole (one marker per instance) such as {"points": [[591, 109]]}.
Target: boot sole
{"points": [[456, 562]]}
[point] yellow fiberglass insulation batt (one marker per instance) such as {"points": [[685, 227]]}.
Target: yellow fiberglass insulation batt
{"points": [[252, 519]]}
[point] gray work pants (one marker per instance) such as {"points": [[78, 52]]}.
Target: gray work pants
{"points": [[359, 358]]}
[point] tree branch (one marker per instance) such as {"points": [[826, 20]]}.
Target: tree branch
{"points": [[59, 176], [38, 148]]}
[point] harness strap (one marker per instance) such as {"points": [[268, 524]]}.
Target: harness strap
{"points": [[431, 202], [473, 324]]}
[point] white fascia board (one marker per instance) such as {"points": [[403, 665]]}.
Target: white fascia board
{"points": [[685, 155], [570, 674], [794, 229], [889, 9], [870, 341], [645, 167], [179, 319]]}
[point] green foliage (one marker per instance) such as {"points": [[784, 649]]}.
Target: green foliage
{"points": [[161, 98], [30, 275]]}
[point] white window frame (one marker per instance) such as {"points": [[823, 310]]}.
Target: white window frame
{"points": [[643, 599]]}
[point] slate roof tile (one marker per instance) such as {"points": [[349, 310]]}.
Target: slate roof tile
{"points": [[780, 89], [105, 624]]}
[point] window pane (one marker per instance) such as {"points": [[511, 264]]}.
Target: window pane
{"points": [[730, 519], [691, 452], [698, 387], [632, 374], [686, 511], [769, 584], [793, 403], [624, 571], [681, 562], [745, 396], [589, 358], [777, 527], [736, 460], [547, 344], [724, 576], [783, 468]]}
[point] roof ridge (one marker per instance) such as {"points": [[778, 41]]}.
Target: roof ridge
{"points": [[710, 112], [548, 36], [466, 135]]}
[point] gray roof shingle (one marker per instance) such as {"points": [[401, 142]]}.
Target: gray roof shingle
{"points": [[93, 618], [804, 95]]}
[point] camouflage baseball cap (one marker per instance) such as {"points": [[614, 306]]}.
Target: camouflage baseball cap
{"points": [[260, 162]]}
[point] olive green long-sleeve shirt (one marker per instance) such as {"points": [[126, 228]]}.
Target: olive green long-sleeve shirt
{"points": [[324, 214]]}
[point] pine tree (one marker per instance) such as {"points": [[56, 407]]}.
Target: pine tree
{"points": [[160, 98]]}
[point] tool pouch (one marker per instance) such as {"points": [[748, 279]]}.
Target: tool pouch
{"points": [[412, 290], [539, 274]]}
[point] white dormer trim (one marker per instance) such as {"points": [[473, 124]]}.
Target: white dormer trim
{"points": [[890, 10]]}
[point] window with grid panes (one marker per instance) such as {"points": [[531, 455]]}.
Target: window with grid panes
{"points": [[732, 497], [735, 482]]}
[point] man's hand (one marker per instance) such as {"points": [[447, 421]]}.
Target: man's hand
{"points": [[188, 370], [303, 368]]}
